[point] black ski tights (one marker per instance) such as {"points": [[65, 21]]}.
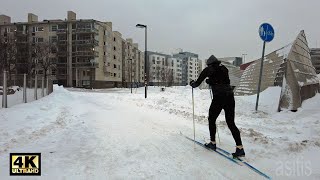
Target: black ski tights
{"points": [[226, 102]]}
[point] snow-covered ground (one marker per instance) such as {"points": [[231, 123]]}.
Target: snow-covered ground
{"points": [[112, 134]]}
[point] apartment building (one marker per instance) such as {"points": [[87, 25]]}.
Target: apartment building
{"points": [[89, 53], [177, 70], [160, 68], [133, 64], [190, 66]]}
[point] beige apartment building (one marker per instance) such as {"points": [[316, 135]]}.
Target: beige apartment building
{"points": [[89, 53], [133, 64]]}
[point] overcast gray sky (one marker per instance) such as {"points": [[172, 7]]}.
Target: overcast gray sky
{"points": [[219, 27]]}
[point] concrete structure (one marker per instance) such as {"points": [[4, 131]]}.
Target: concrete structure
{"points": [[89, 53], [315, 58], [289, 67]]}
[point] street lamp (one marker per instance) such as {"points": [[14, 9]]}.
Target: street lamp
{"points": [[145, 59], [131, 74]]}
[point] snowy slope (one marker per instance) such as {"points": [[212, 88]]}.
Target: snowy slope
{"points": [[112, 134]]}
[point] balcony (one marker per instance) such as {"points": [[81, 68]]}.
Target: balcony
{"points": [[85, 65], [62, 42], [62, 53], [85, 53], [85, 30], [86, 42], [61, 31]]}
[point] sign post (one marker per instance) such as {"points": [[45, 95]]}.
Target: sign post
{"points": [[266, 33]]}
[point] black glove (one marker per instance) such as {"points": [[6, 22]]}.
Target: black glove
{"points": [[193, 84]]}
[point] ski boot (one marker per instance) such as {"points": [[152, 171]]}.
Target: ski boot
{"points": [[211, 145], [239, 153]]}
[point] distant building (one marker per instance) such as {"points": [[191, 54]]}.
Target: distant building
{"points": [[190, 66], [315, 58], [236, 61], [160, 68]]}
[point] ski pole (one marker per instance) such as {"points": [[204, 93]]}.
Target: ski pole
{"points": [[194, 131], [216, 126]]}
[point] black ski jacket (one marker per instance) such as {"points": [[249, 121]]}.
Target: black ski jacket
{"points": [[218, 78]]}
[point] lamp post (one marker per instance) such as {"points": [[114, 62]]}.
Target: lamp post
{"points": [[131, 74], [145, 59]]}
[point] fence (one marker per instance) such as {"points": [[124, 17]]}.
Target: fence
{"points": [[17, 89]]}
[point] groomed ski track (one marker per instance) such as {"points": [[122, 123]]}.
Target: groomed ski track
{"points": [[92, 136]]}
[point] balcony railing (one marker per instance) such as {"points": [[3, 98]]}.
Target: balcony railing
{"points": [[85, 53], [85, 65], [86, 42], [86, 30], [61, 31]]}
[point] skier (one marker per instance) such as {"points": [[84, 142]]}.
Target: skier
{"points": [[223, 98]]}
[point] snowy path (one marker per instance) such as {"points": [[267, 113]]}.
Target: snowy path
{"points": [[93, 136]]}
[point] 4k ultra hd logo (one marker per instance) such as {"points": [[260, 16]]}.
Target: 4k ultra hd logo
{"points": [[25, 164]]}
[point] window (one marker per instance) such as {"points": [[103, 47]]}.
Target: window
{"points": [[115, 75], [114, 39], [39, 29], [114, 48], [114, 57], [62, 26], [114, 66], [53, 39], [158, 58], [104, 43], [40, 72], [108, 64], [88, 73], [84, 73], [153, 61], [54, 28], [104, 53]]}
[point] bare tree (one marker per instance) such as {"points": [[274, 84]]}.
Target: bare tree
{"points": [[167, 76], [8, 55], [43, 57]]}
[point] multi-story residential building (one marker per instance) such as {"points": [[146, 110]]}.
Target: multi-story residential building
{"points": [[159, 68], [133, 64], [177, 70], [88, 52], [315, 58], [190, 66]]}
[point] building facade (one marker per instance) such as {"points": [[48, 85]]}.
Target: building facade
{"points": [[88, 52], [190, 66]]}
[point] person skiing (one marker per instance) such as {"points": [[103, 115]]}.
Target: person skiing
{"points": [[223, 98]]}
